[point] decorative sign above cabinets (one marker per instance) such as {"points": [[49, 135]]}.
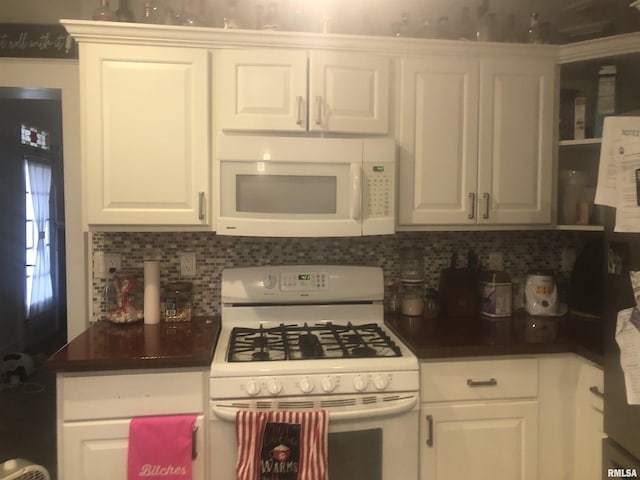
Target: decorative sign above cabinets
{"points": [[36, 41]]}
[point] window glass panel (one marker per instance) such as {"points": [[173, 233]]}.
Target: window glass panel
{"points": [[34, 137], [355, 455]]}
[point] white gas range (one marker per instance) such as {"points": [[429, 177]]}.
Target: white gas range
{"points": [[313, 337]]}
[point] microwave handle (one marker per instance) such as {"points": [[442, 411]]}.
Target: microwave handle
{"points": [[356, 191]]}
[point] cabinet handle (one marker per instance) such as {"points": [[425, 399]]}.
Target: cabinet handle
{"points": [[194, 446], [472, 205], [485, 383], [201, 206], [299, 121], [319, 105], [596, 391], [430, 430], [486, 205]]}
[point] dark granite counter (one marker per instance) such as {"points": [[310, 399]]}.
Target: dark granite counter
{"points": [[105, 346], [518, 335]]}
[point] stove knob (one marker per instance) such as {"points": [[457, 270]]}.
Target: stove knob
{"points": [[252, 388], [359, 383], [269, 281], [306, 386], [328, 384], [381, 382], [274, 386]]}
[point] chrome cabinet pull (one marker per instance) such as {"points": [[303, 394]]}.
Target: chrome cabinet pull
{"points": [[472, 205], [201, 206], [492, 382], [486, 205], [430, 430], [319, 105], [596, 391], [299, 120]]}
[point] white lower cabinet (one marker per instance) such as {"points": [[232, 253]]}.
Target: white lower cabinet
{"points": [[479, 420], [95, 410], [589, 422]]}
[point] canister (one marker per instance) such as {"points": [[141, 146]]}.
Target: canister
{"points": [[495, 294], [177, 302]]}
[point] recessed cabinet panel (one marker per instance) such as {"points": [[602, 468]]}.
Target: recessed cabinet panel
{"points": [[439, 135], [146, 126], [515, 159], [260, 90], [348, 92], [479, 441]]}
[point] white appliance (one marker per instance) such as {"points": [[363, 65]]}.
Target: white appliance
{"points": [[302, 187], [541, 294], [21, 469], [309, 338]]}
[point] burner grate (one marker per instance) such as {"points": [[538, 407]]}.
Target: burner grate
{"points": [[306, 342]]}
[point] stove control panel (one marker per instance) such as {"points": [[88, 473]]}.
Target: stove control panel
{"points": [[303, 281], [314, 384]]}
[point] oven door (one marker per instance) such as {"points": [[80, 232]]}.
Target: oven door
{"points": [[375, 442]]}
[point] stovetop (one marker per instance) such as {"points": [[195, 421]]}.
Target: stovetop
{"points": [[310, 342]]}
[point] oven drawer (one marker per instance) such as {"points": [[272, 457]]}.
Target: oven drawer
{"points": [[131, 394], [478, 380]]}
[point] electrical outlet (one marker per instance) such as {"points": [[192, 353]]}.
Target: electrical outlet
{"points": [[188, 264], [103, 262], [496, 261]]}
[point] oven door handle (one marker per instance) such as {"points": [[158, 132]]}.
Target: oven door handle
{"points": [[392, 406]]}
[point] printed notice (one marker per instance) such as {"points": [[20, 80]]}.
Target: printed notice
{"points": [[619, 171], [628, 339]]}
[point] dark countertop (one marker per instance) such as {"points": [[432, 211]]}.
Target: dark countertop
{"points": [[106, 346], [521, 334]]}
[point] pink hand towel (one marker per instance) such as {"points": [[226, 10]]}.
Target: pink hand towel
{"points": [[282, 445], [160, 447]]}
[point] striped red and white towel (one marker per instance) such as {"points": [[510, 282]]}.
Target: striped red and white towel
{"points": [[282, 445]]}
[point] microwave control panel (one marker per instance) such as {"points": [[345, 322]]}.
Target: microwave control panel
{"points": [[380, 180]]}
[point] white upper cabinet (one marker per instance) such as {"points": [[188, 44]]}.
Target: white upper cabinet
{"points": [[299, 90], [146, 135], [476, 140]]}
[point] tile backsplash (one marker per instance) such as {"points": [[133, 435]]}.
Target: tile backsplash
{"points": [[522, 251]]}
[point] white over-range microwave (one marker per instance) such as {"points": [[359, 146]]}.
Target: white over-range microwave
{"points": [[305, 187]]}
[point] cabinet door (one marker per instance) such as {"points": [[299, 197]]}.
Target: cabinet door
{"points": [[439, 140], [348, 92], [261, 89], [492, 441], [146, 129], [97, 450], [589, 422], [516, 132]]}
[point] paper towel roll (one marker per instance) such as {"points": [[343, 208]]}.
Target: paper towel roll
{"points": [[151, 291]]}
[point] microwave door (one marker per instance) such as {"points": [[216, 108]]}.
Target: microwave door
{"points": [[289, 199]]}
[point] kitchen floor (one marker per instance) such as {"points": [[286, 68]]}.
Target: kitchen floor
{"points": [[28, 420]]}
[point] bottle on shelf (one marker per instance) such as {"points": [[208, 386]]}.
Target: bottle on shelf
{"points": [[271, 20], [123, 13], [103, 12], [534, 33], [153, 12], [230, 19], [511, 34], [466, 29]]}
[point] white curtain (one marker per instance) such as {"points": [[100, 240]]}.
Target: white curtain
{"points": [[41, 290]]}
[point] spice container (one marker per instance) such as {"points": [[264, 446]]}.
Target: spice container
{"points": [[177, 302], [412, 298]]}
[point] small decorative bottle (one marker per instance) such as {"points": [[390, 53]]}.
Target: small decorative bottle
{"points": [[231, 17], [103, 12], [123, 14], [534, 28], [153, 12]]}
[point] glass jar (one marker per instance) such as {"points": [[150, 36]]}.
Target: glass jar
{"points": [[103, 12], [125, 299], [412, 298], [177, 302], [411, 265]]}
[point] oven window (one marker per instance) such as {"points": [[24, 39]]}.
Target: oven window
{"points": [[310, 194], [355, 455]]}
